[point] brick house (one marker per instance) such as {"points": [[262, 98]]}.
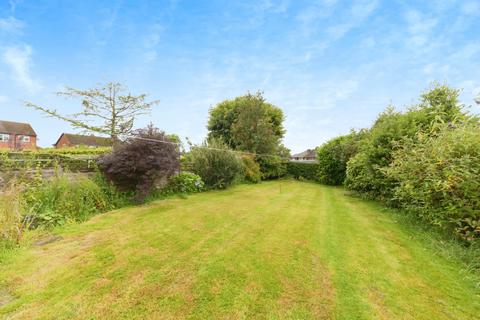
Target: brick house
{"points": [[68, 140], [17, 136], [309, 155]]}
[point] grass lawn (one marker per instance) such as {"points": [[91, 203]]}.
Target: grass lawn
{"points": [[277, 250]]}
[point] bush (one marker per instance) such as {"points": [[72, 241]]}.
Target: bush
{"points": [[332, 157], [366, 170], [138, 163], [439, 178], [217, 165], [59, 199], [302, 170], [184, 182], [271, 167], [251, 169]]}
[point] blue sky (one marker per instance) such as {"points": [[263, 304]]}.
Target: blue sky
{"points": [[330, 65]]}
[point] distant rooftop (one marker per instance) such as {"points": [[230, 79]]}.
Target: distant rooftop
{"points": [[17, 128], [309, 153], [86, 140]]}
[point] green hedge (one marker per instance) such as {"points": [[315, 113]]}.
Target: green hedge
{"points": [[425, 160], [333, 156], [40, 160], [439, 178], [302, 170]]}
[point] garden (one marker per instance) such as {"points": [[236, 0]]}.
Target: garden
{"points": [[385, 224]]}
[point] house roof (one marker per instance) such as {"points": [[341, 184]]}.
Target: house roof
{"points": [[309, 153], [17, 128], [83, 140]]}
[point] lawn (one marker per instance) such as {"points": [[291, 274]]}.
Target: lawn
{"points": [[277, 250]]}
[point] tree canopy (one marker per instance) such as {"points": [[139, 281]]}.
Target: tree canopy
{"points": [[248, 123]]}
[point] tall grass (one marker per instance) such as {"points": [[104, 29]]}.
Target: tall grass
{"points": [[32, 202], [12, 222], [62, 199]]}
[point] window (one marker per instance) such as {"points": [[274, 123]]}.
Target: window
{"points": [[4, 137], [25, 139]]}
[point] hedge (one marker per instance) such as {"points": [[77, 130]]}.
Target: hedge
{"points": [[302, 170]]}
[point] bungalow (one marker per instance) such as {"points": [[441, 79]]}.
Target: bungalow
{"points": [[309, 155], [68, 140], [17, 136]]}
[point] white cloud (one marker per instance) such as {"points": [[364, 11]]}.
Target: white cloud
{"points": [[11, 25], [471, 8], [150, 41], [362, 9], [150, 55], [153, 37], [269, 5], [311, 15], [330, 95], [419, 24], [368, 42], [467, 52], [359, 12], [420, 27], [13, 4], [19, 59]]}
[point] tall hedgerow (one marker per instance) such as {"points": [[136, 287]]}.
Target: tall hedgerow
{"points": [[438, 177], [332, 158], [365, 171], [302, 170]]}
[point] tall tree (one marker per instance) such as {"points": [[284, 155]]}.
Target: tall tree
{"points": [[108, 110], [252, 130], [247, 123]]}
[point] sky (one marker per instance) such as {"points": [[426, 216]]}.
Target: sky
{"points": [[330, 65]]}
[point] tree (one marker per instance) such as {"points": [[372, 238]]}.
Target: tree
{"points": [[247, 123], [107, 110], [137, 163], [252, 131]]}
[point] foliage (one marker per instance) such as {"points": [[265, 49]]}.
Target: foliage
{"points": [[109, 109], [247, 123], [271, 167], [140, 161], [251, 169], [424, 160], [54, 201], [80, 151], [365, 171], [184, 182], [12, 223], [303, 170], [438, 178], [73, 159], [332, 157], [215, 163]]}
